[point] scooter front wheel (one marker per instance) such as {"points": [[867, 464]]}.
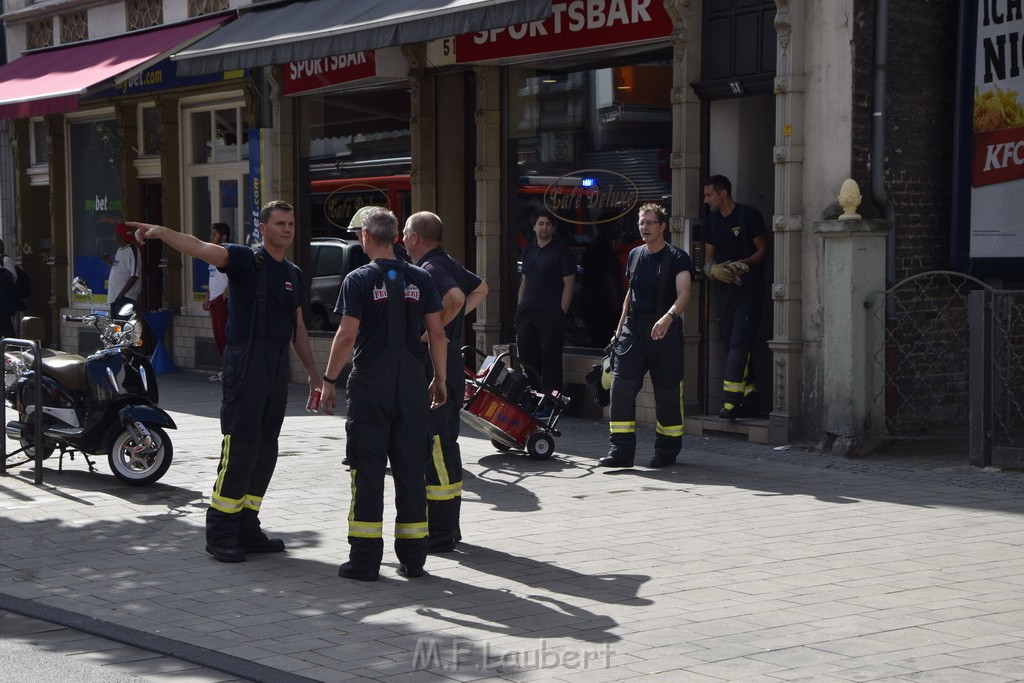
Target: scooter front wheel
{"points": [[143, 468]]}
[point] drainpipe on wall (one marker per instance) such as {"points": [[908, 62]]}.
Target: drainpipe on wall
{"points": [[878, 194]]}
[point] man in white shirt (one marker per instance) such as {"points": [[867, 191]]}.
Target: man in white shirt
{"points": [[124, 286], [217, 295]]}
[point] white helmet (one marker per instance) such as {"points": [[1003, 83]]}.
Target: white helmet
{"points": [[357, 218]]}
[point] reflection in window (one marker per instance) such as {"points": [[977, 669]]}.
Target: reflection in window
{"points": [[590, 146], [357, 148]]}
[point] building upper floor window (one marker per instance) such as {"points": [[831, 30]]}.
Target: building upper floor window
{"points": [[142, 14], [197, 8], [74, 27], [218, 135], [39, 33], [39, 143], [150, 141]]}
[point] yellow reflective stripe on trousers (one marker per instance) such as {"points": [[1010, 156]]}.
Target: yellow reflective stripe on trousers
{"points": [[358, 528], [749, 389], [437, 457], [445, 492], [732, 387], [622, 427], [228, 505], [251, 502], [225, 451], [672, 430], [410, 530]]}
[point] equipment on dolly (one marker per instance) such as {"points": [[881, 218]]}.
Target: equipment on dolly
{"points": [[501, 404]]}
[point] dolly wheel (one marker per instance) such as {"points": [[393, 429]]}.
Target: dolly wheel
{"points": [[540, 446], [499, 445]]}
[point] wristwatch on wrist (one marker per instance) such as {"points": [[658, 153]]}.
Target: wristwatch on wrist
{"points": [[672, 314], [328, 379]]}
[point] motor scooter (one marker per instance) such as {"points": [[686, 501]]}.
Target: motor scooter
{"points": [[106, 403]]}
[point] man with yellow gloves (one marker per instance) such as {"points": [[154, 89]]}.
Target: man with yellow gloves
{"points": [[736, 234]]}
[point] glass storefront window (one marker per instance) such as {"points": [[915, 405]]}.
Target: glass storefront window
{"points": [[590, 146], [96, 201], [354, 150]]}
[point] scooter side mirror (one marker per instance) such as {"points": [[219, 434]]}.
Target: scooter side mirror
{"points": [[80, 287]]}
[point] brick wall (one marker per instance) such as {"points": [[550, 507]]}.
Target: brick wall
{"points": [[919, 129]]}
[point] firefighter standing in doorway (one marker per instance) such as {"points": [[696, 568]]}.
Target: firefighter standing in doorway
{"points": [[735, 250]]}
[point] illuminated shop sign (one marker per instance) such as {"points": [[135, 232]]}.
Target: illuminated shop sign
{"points": [[572, 25]]}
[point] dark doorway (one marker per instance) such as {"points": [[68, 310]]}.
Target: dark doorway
{"points": [[151, 193]]}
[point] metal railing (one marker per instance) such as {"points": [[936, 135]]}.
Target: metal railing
{"points": [[37, 367]]}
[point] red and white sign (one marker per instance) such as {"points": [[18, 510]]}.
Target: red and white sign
{"points": [[573, 25], [313, 74], [998, 156]]}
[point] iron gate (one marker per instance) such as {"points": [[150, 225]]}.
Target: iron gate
{"points": [[924, 357], [997, 373]]}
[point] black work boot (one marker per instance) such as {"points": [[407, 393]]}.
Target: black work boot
{"points": [[222, 536], [252, 539]]}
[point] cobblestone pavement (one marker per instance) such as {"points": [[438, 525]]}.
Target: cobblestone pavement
{"points": [[741, 562]]}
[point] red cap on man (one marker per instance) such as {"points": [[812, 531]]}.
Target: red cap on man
{"points": [[124, 231]]}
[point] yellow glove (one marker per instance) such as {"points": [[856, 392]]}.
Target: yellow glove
{"points": [[722, 272], [738, 267]]}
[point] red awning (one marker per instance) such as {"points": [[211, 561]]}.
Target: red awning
{"points": [[51, 80]]}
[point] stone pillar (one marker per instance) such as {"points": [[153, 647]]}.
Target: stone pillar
{"points": [[787, 342], [487, 227], [171, 261], [59, 259], [854, 271], [687, 191], [423, 127]]}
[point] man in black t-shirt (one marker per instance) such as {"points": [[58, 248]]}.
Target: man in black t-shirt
{"points": [[735, 249], [264, 318], [545, 294], [461, 291], [649, 338], [385, 307]]}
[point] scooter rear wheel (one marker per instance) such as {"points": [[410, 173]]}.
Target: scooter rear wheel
{"points": [[144, 468], [29, 448]]}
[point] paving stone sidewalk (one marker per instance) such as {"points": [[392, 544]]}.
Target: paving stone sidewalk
{"points": [[739, 563]]}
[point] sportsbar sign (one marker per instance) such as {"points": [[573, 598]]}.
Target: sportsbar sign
{"points": [[572, 25], [312, 74]]}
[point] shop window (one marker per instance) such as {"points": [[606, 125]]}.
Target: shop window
{"points": [[150, 141], [39, 34], [216, 182], [142, 14], [96, 202], [197, 8], [74, 27], [355, 150], [590, 146]]}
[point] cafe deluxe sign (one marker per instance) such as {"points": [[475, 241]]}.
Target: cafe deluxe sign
{"points": [[591, 195]]}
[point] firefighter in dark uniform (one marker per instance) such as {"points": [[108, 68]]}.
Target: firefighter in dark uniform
{"points": [[384, 308], [264, 318], [735, 249], [461, 291], [649, 338]]}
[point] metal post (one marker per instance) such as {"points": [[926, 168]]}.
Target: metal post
{"points": [[979, 316], [37, 367]]}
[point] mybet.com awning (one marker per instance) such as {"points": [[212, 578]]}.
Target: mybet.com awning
{"points": [[53, 80]]}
